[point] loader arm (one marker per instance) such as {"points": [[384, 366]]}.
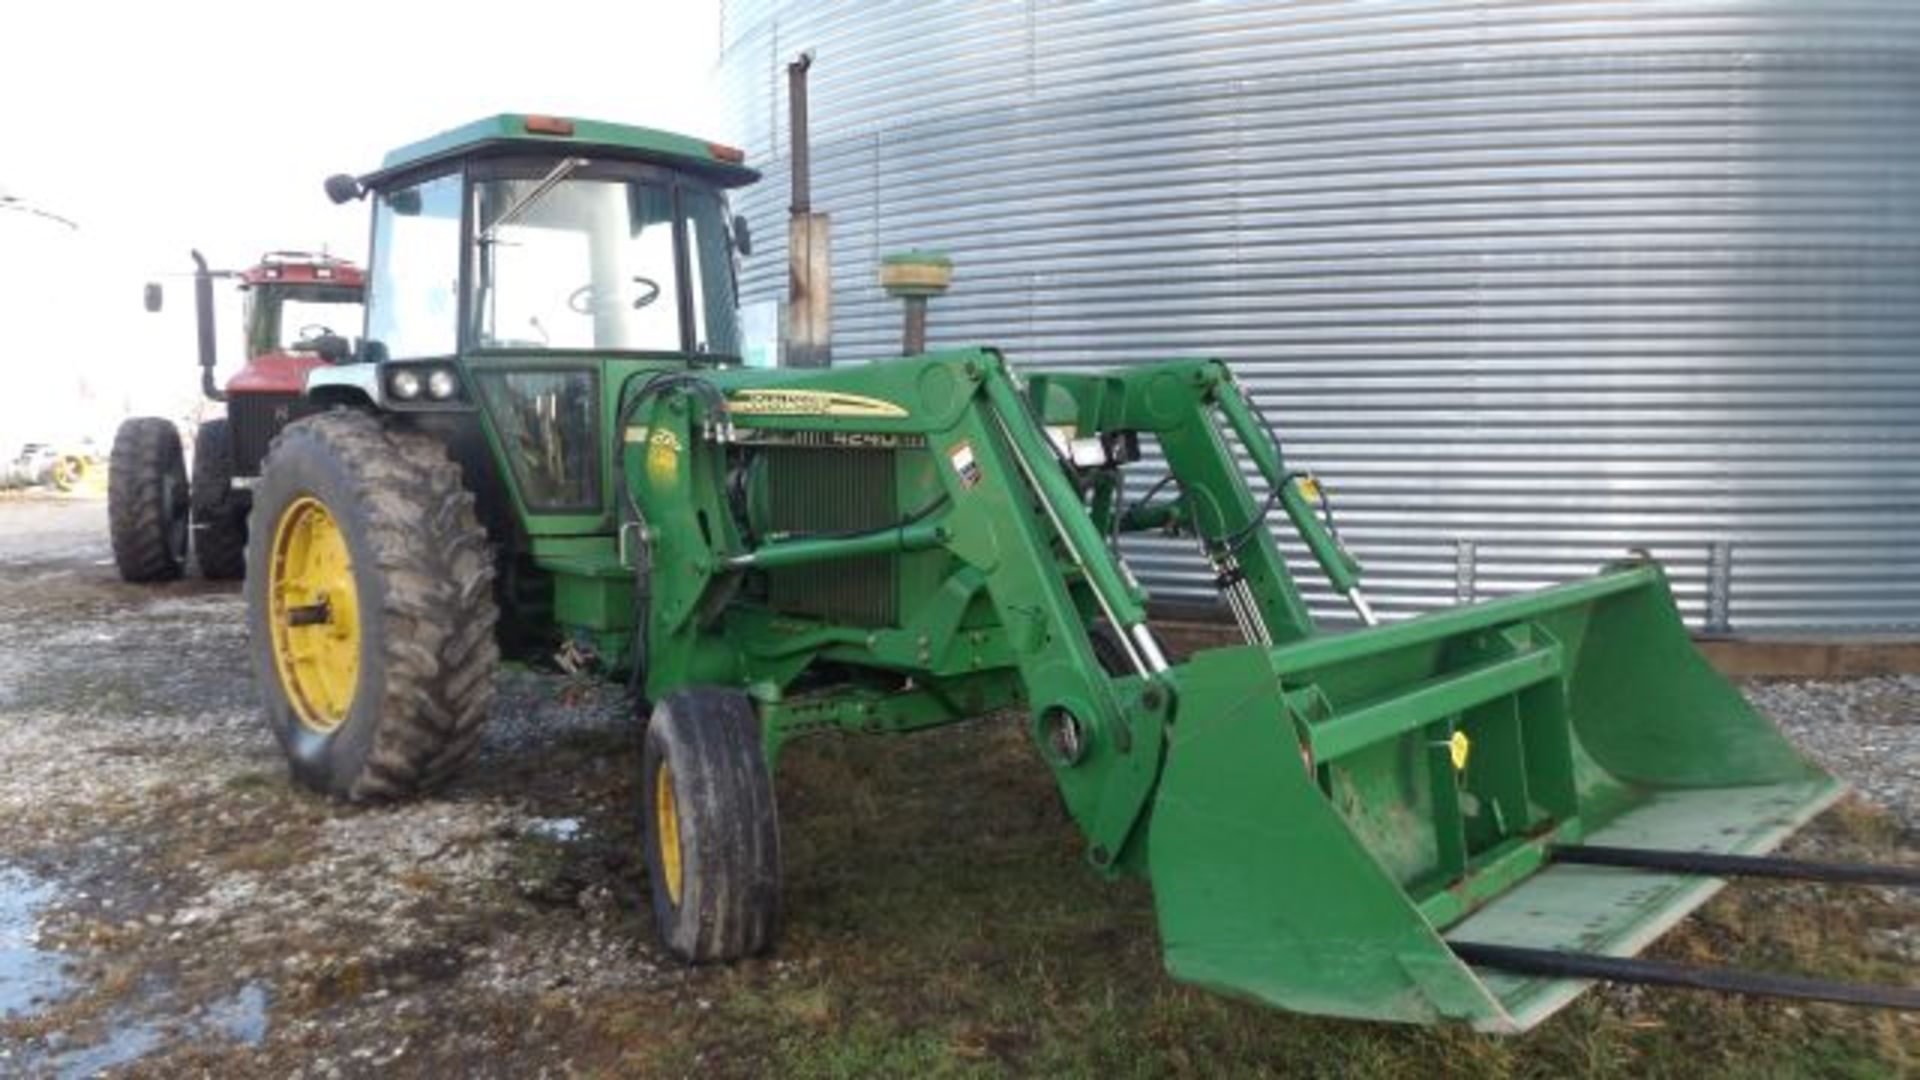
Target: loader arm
{"points": [[1318, 814], [1019, 540]]}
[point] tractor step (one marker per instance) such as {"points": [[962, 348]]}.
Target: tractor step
{"points": [[1715, 864], [1554, 964]]}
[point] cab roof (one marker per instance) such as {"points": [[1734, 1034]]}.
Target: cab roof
{"points": [[723, 165], [303, 267]]}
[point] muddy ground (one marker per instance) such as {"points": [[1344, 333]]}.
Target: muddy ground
{"points": [[171, 905]]}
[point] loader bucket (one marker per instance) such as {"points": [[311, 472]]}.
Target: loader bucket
{"points": [[1337, 814]]}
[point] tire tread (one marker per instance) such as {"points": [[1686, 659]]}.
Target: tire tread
{"points": [[144, 449], [438, 613]]}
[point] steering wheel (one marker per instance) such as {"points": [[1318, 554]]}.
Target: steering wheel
{"points": [[310, 337], [580, 300]]}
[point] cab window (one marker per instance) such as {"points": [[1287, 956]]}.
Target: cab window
{"points": [[413, 301]]}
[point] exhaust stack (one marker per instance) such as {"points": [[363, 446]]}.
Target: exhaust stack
{"points": [[809, 242], [203, 316]]}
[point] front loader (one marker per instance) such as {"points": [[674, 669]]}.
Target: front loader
{"points": [[547, 444]]}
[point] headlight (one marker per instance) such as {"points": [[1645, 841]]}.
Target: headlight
{"points": [[441, 384], [404, 384]]}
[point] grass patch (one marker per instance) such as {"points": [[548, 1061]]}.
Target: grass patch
{"points": [[941, 922]]}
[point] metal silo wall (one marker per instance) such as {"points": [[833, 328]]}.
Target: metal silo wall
{"points": [[1552, 280]]}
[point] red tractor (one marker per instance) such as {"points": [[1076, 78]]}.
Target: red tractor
{"points": [[293, 303]]}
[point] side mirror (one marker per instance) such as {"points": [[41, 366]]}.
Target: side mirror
{"points": [[153, 297], [742, 235], [342, 188]]}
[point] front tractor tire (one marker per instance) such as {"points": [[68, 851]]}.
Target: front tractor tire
{"points": [[711, 829], [370, 607], [219, 508], [148, 501]]}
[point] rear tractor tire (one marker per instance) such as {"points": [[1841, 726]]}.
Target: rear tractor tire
{"points": [[148, 501], [370, 607], [710, 825], [219, 509]]}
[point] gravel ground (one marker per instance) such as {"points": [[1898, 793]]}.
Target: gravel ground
{"points": [[170, 904], [1866, 731]]}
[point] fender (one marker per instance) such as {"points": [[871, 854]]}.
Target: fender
{"points": [[345, 384]]}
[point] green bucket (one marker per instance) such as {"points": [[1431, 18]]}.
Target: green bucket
{"points": [[1333, 811]]}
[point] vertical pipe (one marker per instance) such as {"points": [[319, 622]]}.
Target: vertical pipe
{"points": [[801, 157], [1720, 587], [203, 318], [809, 329], [1465, 571], [914, 341]]}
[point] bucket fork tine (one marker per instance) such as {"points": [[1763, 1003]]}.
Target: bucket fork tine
{"points": [[1720, 865], [1554, 964]]}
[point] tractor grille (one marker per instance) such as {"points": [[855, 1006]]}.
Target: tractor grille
{"points": [[255, 419], [834, 490]]}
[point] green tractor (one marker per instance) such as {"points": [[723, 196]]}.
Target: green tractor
{"points": [[546, 442]]}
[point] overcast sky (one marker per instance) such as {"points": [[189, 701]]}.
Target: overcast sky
{"points": [[159, 127]]}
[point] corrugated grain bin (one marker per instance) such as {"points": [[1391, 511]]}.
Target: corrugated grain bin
{"points": [[1528, 284]]}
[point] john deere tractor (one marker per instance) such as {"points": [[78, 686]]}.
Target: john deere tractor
{"points": [[156, 516], [546, 439]]}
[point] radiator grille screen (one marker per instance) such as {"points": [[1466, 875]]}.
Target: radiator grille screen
{"points": [[255, 419], [829, 491]]}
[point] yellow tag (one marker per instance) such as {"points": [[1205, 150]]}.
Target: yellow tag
{"points": [[1458, 747], [1309, 488], [663, 457]]}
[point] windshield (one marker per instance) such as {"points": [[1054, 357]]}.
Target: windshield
{"points": [[287, 318], [589, 264]]}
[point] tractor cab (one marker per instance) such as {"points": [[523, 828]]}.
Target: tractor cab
{"points": [[295, 297], [523, 270], [299, 310]]}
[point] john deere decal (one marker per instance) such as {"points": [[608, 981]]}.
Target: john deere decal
{"points": [[812, 403]]}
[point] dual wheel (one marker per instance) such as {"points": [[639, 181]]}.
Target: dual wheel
{"points": [[156, 517], [372, 614]]}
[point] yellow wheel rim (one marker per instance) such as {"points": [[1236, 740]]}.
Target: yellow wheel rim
{"points": [[68, 472], [315, 614], [666, 827]]}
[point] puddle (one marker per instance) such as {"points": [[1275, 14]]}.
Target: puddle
{"points": [[124, 1045], [242, 1017], [31, 978], [239, 1017], [562, 829]]}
